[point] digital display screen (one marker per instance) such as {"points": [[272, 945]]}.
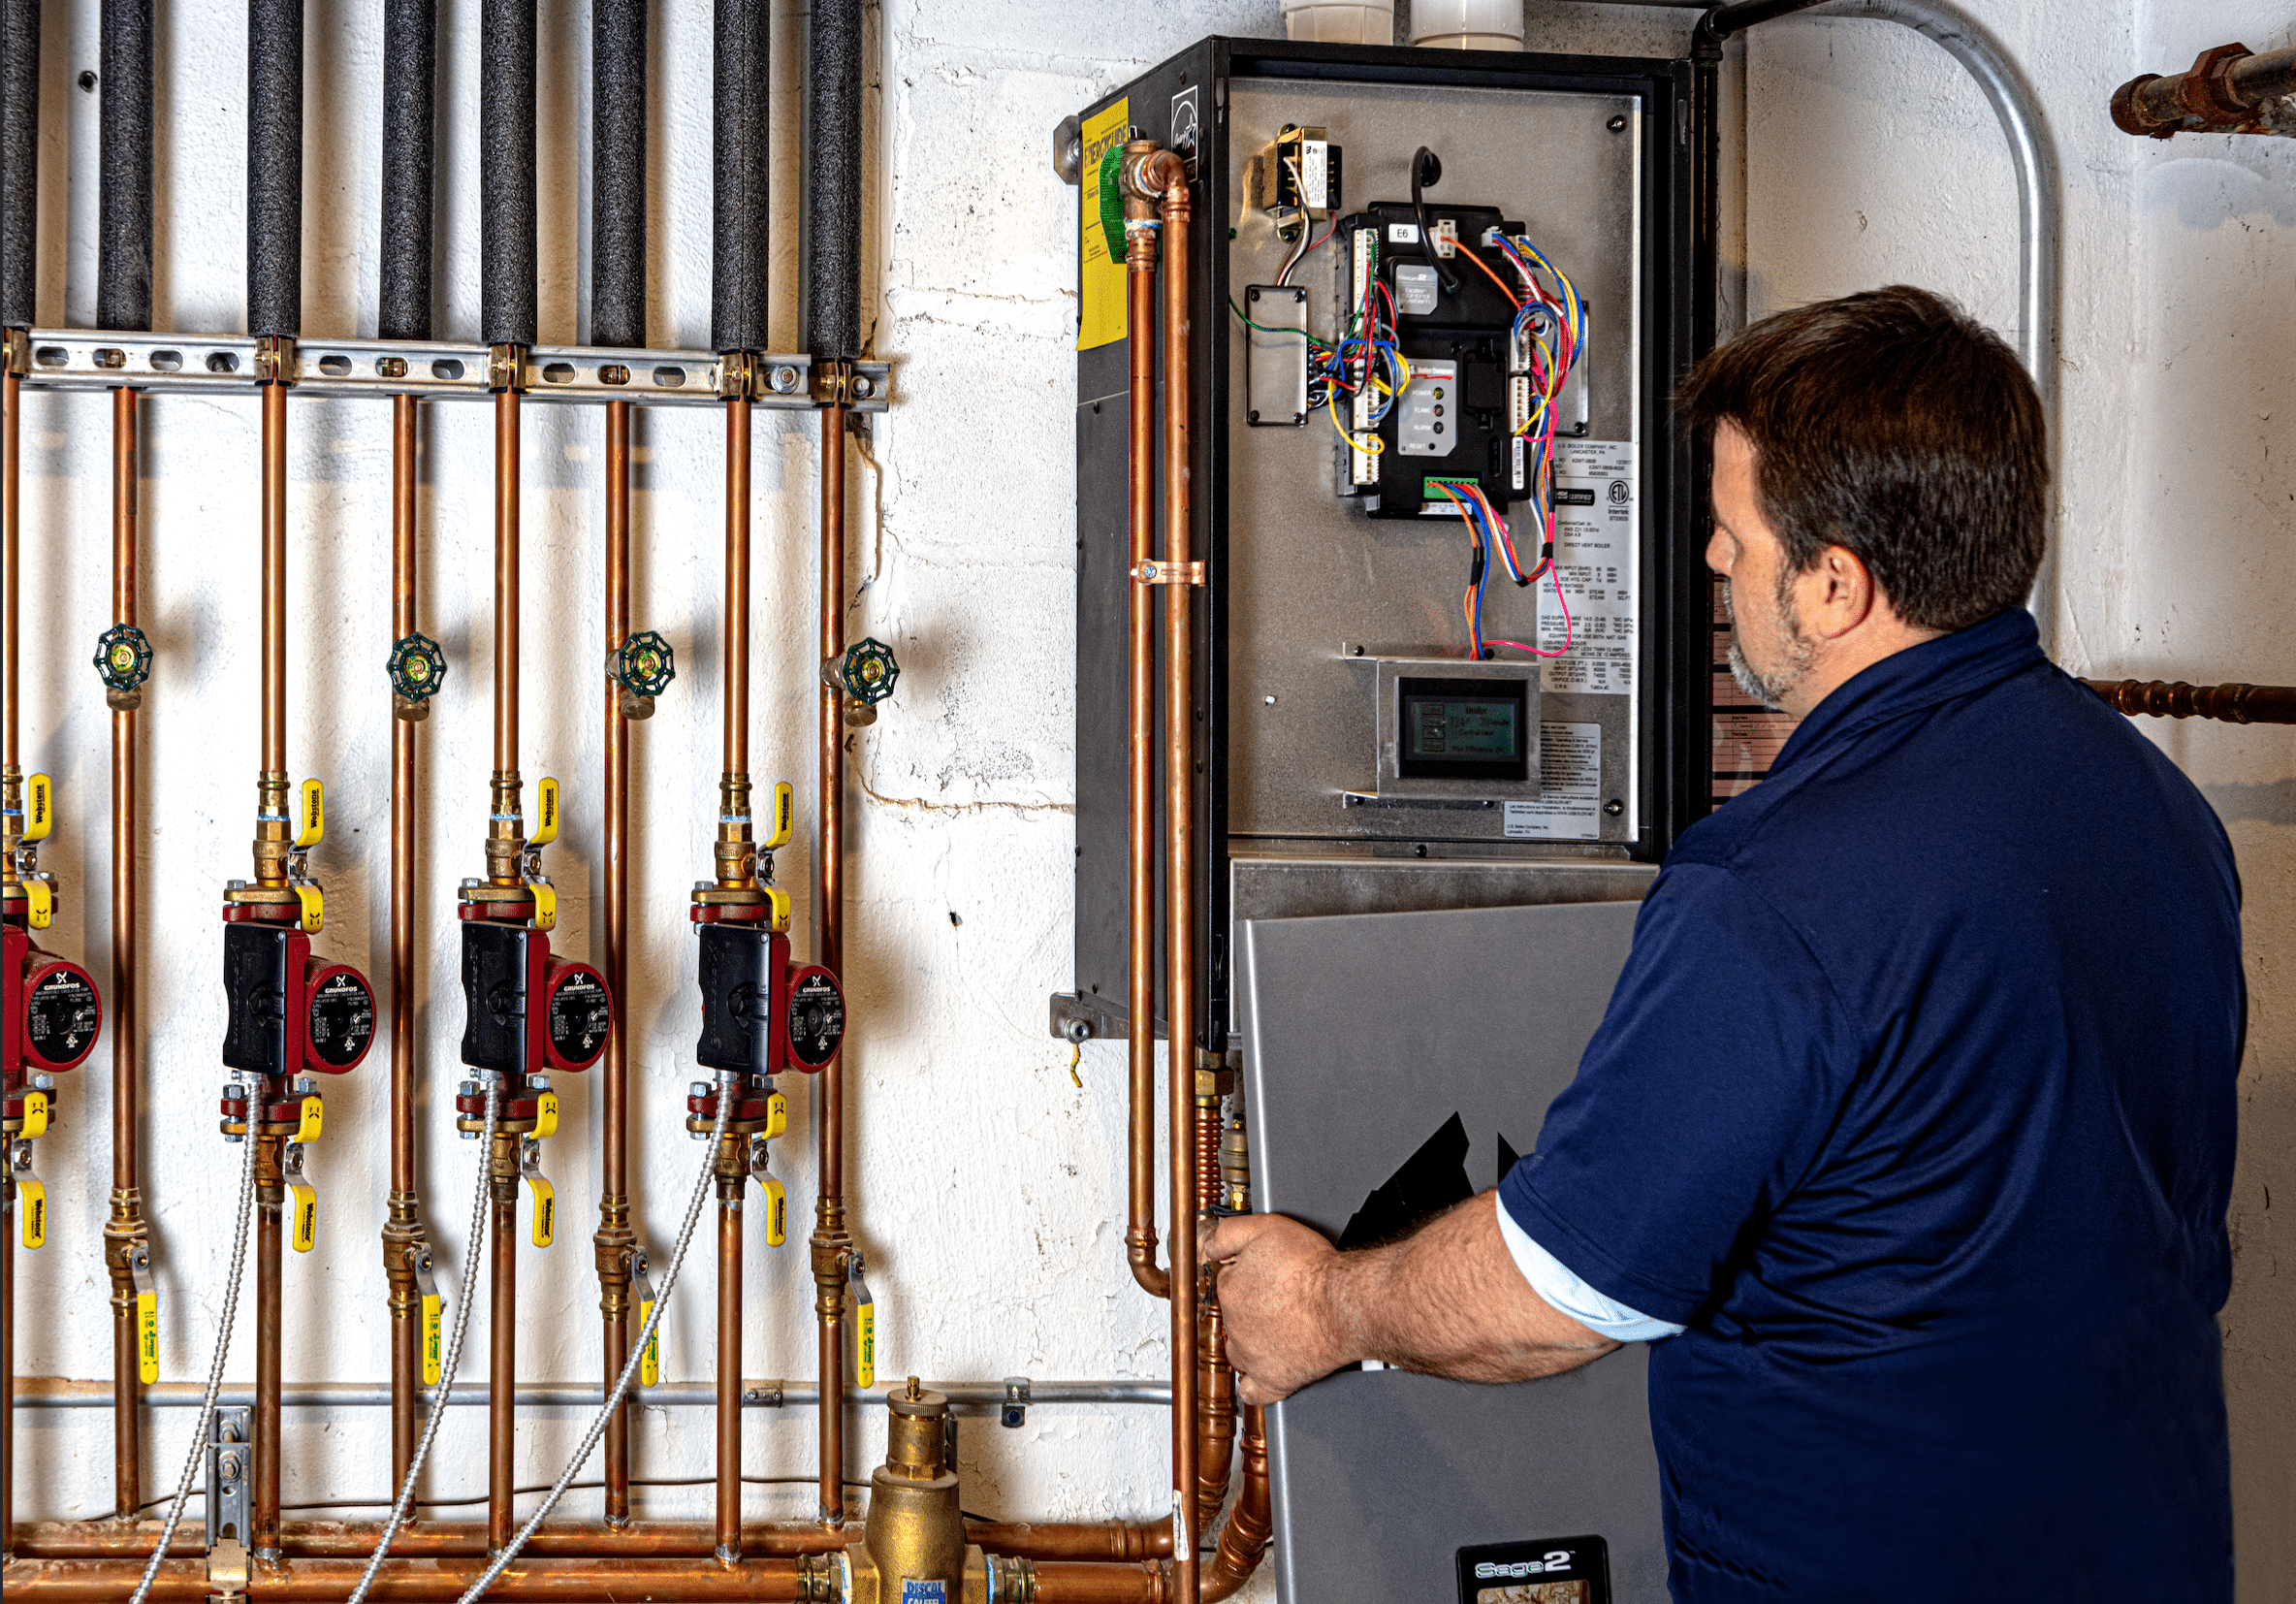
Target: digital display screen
{"points": [[1461, 729]]}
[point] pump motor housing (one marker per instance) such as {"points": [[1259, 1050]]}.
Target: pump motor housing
{"points": [[289, 1012], [53, 1014], [761, 1013], [524, 1010]]}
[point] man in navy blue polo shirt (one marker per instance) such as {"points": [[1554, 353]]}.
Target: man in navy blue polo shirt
{"points": [[1907, 1137]]}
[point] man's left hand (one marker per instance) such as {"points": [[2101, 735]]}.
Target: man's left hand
{"points": [[1284, 1326]]}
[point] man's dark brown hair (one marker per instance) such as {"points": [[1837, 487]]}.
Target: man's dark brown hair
{"points": [[1894, 423]]}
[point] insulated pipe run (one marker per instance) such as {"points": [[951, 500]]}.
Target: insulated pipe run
{"points": [[617, 317], [410, 59]]}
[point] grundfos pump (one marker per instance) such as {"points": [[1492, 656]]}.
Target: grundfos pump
{"points": [[53, 1013]]}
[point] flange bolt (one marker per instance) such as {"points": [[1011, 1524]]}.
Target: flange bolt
{"points": [[123, 662]]}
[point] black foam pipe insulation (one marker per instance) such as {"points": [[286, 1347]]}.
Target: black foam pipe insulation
{"points": [[741, 139], [123, 187], [618, 172], [410, 97], [19, 158], [833, 182], [506, 283], [274, 168]]}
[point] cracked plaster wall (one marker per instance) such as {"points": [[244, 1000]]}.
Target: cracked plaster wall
{"points": [[991, 1195]]}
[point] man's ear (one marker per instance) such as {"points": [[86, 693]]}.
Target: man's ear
{"points": [[1837, 593]]}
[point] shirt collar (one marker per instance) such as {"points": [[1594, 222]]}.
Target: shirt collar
{"points": [[1918, 677]]}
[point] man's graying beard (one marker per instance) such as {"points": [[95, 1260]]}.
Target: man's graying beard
{"points": [[1772, 688]]}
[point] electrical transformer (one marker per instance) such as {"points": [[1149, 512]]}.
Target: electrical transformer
{"points": [[1453, 654]]}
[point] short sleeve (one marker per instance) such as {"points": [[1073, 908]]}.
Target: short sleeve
{"points": [[1705, 1097]]}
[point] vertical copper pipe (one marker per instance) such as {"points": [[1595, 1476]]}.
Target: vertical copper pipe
{"points": [[10, 404], [737, 586], [402, 1234], [502, 1354], [1140, 1237], [1244, 1539], [506, 532], [1180, 874], [125, 1230], [830, 1241], [274, 579], [733, 1178], [615, 1238], [270, 1197]]}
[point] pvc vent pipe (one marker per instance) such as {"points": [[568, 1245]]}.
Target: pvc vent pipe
{"points": [[1334, 22], [1467, 24]]}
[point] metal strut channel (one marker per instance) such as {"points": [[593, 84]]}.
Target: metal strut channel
{"points": [[99, 359]]}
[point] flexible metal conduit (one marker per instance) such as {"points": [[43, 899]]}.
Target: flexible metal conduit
{"points": [[123, 301], [618, 318], [410, 60], [832, 254], [2040, 200]]}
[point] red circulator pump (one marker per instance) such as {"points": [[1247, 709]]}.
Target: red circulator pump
{"points": [[53, 1012]]}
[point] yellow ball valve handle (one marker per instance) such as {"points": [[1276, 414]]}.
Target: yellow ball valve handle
{"points": [[427, 1290], [311, 818], [546, 1112], [35, 1116], [146, 1314], [777, 1119], [40, 807], [310, 1116], [546, 1197], [305, 1234], [546, 812], [642, 1290], [775, 1216], [40, 899], [784, 817], [31, 1199], [863, 1327]]}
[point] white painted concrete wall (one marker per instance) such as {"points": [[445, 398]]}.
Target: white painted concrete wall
{"points": [[990, 1203]]}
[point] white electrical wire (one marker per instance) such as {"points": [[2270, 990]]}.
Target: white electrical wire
{"points": [[454, 1348], [622, 1384], [230, 1305]]}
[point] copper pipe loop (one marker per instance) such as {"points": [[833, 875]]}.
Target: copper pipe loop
{"points": [[1111, 1542], [2232, 704], [414, 1581]]}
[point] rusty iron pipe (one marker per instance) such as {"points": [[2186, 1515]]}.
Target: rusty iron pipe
{"points": [[270, 1193], [1139, 1236], [402, 1230], [2230, 88], [126, 1230], [615, 1239], [2232, 704], [831, 1242], [1109, 1541]]}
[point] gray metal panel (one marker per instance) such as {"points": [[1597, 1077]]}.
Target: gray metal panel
{"points": [[1361, 1035]]}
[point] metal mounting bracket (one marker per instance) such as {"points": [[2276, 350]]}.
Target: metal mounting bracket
{"points": [[231, 1458]]}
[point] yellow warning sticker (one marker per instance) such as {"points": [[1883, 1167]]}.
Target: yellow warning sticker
{"points": [[1099, 280]]}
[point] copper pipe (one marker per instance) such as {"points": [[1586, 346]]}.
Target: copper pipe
{"points": [[125, 1231], [615, 1239], [502, 1355], [737, 586], [416, 1581], [1114, 1541], [1244, 1539], [402, 1231], [1139, 1236], [1179, 858], [831, 1243], [270, 1192], [2233, 705], [11, 405], [1215, 1380], [1068, 1581], [732, 1179], [8, 1332], [274, 578], [506, 533]]}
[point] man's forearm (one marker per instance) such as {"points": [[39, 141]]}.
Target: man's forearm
{"points": [[1449, 1300]]}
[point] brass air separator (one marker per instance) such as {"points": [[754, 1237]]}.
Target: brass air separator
{"points": [[916, 1529]]}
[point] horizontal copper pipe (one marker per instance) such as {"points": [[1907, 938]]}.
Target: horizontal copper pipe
{"points": [[415, 1581], [2232, 704], [587, 1540], [1066, 1582]]}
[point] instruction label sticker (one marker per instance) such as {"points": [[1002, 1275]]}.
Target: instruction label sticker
{"points": [[1597, 542], [1569, 807], [1099, 279]]}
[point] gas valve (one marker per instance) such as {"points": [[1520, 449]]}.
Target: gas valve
{"points": [[418, 670], [643, 668], [123, 662], [866, 673]]}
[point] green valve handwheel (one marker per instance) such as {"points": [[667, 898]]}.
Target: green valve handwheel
{"points": [[418, 668], [644, 665], [123, 658], [868, 671]]}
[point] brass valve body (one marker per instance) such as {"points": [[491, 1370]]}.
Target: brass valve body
{"points": [[916, 1530]]}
